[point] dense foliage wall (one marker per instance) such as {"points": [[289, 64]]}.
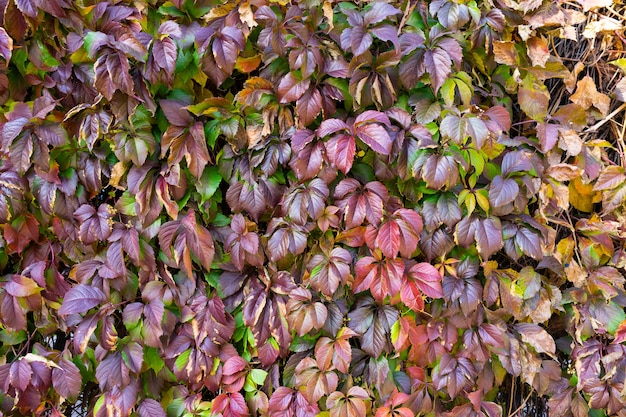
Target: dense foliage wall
{"points": [[284, 208]]}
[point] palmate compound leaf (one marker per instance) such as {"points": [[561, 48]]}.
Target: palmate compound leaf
{"points": [[81, 298], [398, 233], [354, 403], [383, 277], [289, 402], [180, 239], [329, 270]]}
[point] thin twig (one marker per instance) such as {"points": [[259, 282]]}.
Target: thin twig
{"points": [[605, 120]]}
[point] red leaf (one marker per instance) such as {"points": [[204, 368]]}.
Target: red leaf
{"points": [[81, 298], [308, 106], [427, 279], [388, 239], [330, 126], [340, 150]]}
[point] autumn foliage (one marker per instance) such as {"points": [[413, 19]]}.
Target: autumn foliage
{"points": [[300, 208]]}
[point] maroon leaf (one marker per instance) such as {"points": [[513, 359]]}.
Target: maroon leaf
{"points": [[309, 105], [81, 298], [440, 171]]}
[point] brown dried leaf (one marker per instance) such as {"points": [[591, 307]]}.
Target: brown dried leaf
{"points": [[587, 95], [538, 51]]}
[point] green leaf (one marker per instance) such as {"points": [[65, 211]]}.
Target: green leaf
{"points": [[208, 183], [182, 359], [258, 376], [153, 359]]}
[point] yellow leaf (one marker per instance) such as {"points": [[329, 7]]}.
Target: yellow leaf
{"points": [[582, 196]]}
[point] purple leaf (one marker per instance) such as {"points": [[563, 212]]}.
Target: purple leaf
{"points": [[376, 137], [379, 12], [66, 379], [360, 40], [20, 374], [81, 298], [150, 408], [502, 191], [488, 234], [437, 64], [330, 126], [292, 87], [175, 112]]}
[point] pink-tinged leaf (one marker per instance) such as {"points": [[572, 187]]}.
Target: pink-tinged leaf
{"points": [[226, 46], [537, 337], [502, 191], [84, 331], [150, 408], [81, 298], [20, 286], [501, 116], [529, 243], [330, 126], [20, 374], [6, 45], [376, 137], [340, 150], [66, 379], [548, 134], [610, 177], [112, 371], [427, 279], [165, 54], [438, 66], [292, 87], [388, 239]]}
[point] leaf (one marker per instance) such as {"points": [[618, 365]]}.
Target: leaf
{"points": [[150, 408], [587, 95], [437, 63], [81, 298], [440, 171], [536, 337], [66, 379], [534, 100], [610, 177], [376, 137], [488, 235], [292, 87], [20, 374], [502, 191]]}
